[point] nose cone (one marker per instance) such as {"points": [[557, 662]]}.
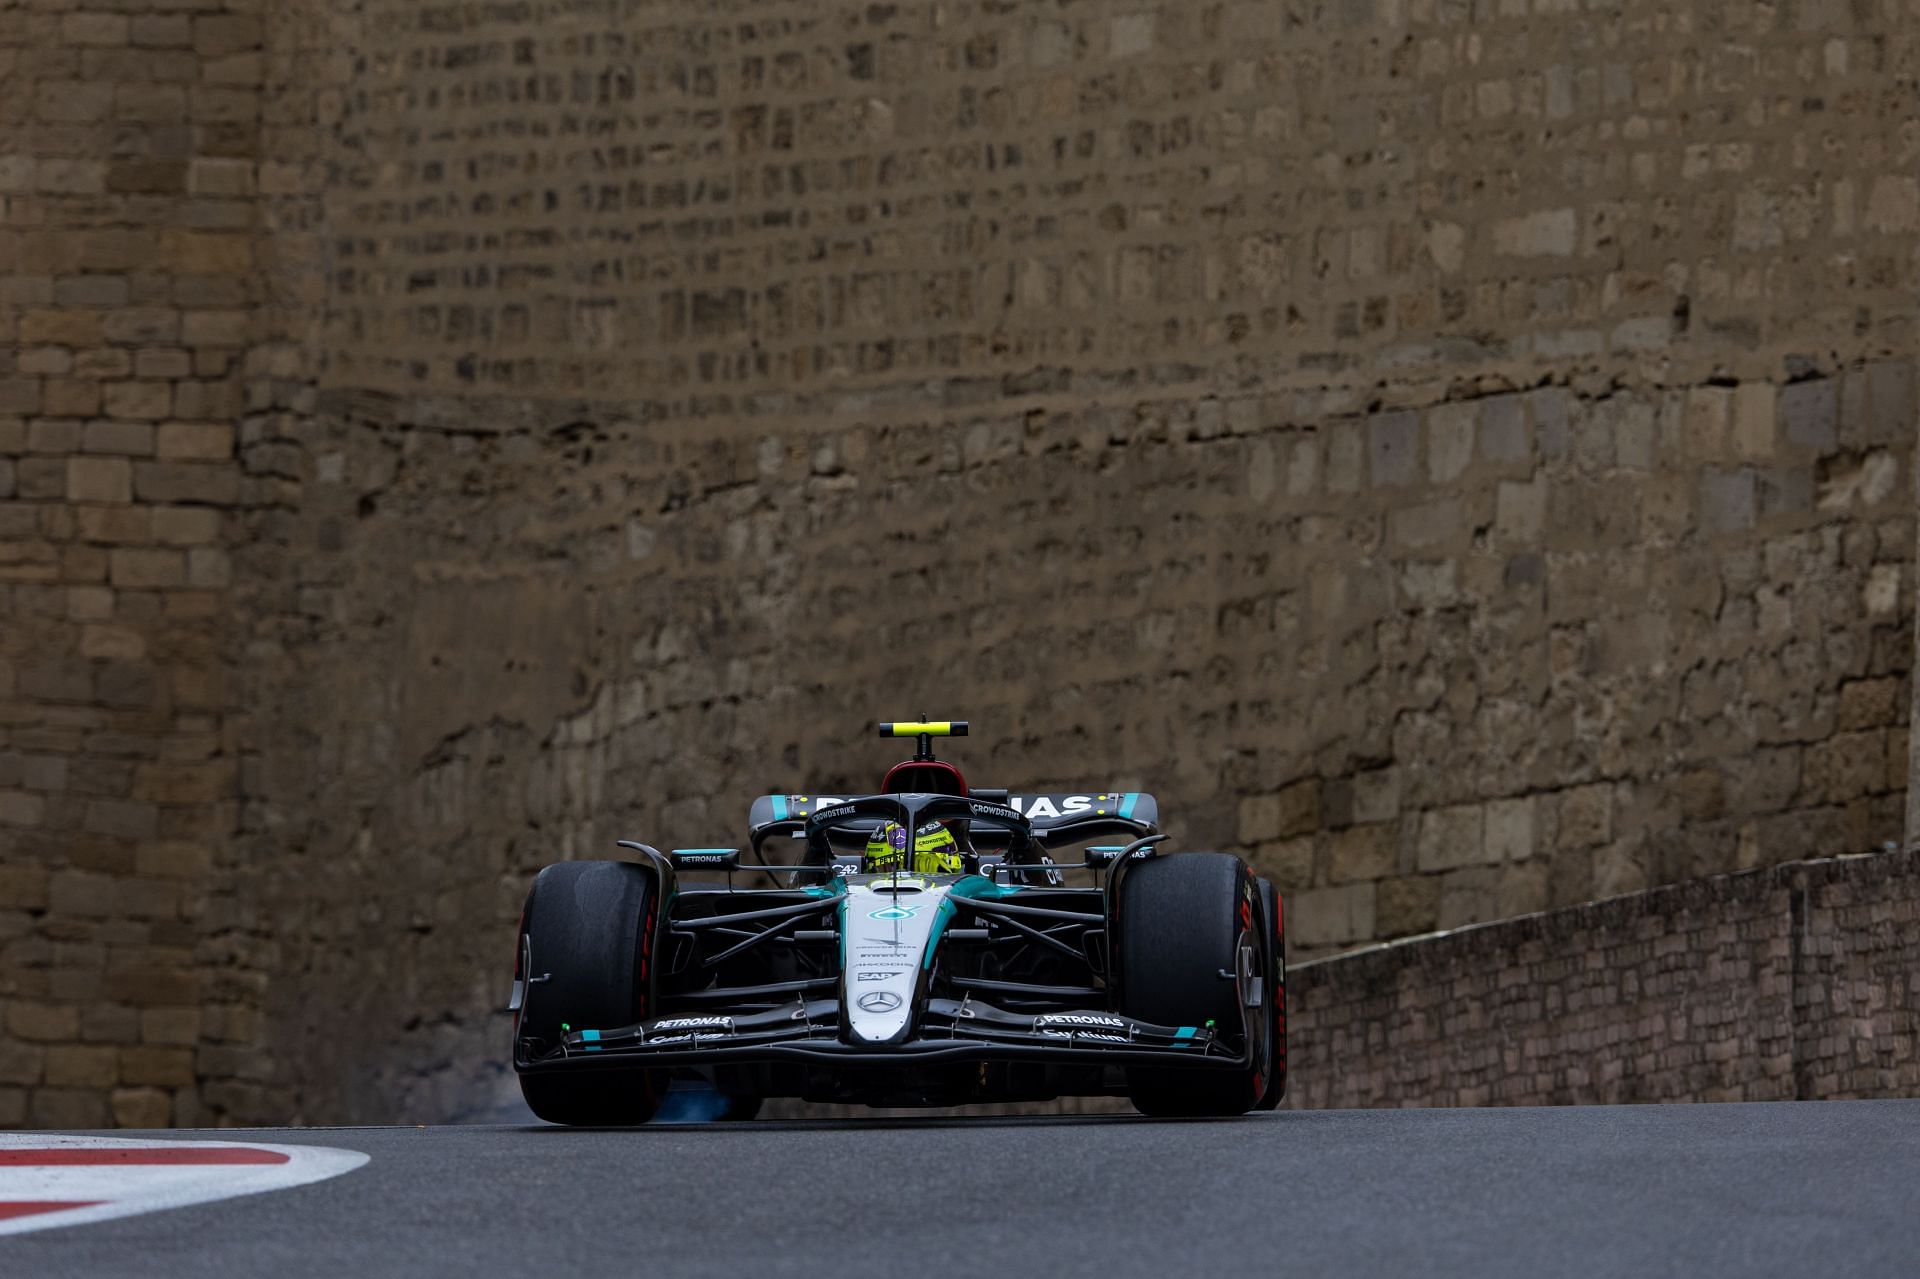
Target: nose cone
{"points": [[887, 934]]}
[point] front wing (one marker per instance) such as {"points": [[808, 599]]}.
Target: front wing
{"points": [[949, 1030]]}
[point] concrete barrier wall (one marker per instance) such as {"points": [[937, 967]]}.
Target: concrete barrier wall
{"points": [[1796, 981]]}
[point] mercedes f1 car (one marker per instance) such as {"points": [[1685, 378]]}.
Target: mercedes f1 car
{"points": [[1161, 978]]}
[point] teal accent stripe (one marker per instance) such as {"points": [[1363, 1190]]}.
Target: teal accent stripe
{"points": [[1126, 808], [592, 1038], [706, 850], [779, 808], [1186, 1032], [981, 887], [941, 919]]}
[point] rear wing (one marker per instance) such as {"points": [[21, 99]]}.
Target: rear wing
{"points": [[1057, 817], [1052, 810]]}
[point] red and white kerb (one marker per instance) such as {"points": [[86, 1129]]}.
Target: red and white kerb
{"points": [[49, 1180]]}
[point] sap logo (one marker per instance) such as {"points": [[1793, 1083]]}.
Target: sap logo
{"points": [[1080, 1019], [879, 976], [694, 1023]]}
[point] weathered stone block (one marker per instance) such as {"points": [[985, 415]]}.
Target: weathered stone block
{"points": [[1452, 837], [1727, 499], [1450, 440], [1809, 414], [147, 987], [1753, 420], [114, 643], [144, 400], [1585, 816], [195, 441], [1709, 422], [133, 439], [21, 808], [1406, 906], [185, 525], [1845, 767], [148, 569], [82, 1066], [142, 1108], [1376, 795], [24, 886], [1393, 447], [1870, 703], [1521, 509], [99, 479], [224, 34], [174, 859], [89, 603], [21, 1063], [125, 819], [93, 28], [1427, 524], [1288, 863], [1363, 852], [42, 1023], [1547, 233], [170, 1026], [1346, 456], [216, 328], [1470, 896], [67, 1108], [1331, 916], [186, 482], [1510, 831], [160, 1066], [162, 30], [1522, 889]]}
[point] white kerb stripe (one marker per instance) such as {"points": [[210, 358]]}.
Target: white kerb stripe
{"points": [[49, 1180]]}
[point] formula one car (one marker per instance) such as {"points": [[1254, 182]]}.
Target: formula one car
{"points": [[1162, 979]]}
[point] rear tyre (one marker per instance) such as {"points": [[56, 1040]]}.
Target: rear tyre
{"points": [[1275, 928], [1187, 919], [585, 935]]}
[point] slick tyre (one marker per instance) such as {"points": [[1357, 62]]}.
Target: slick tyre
{"points": [[1187, 919], [586, 951], [1274, 925]]}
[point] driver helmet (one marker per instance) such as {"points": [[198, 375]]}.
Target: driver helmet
{"points": [[935, 852]]}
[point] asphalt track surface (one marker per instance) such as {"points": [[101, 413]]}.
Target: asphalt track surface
{"points": [[1827, 1189]]}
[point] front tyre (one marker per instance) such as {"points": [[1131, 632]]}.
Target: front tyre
{"points": [[1191, 930], [586, 955]]}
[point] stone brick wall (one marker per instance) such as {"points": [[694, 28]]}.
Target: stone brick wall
{"points": [[1795, 981], [1457, 456], [128, 149]]}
